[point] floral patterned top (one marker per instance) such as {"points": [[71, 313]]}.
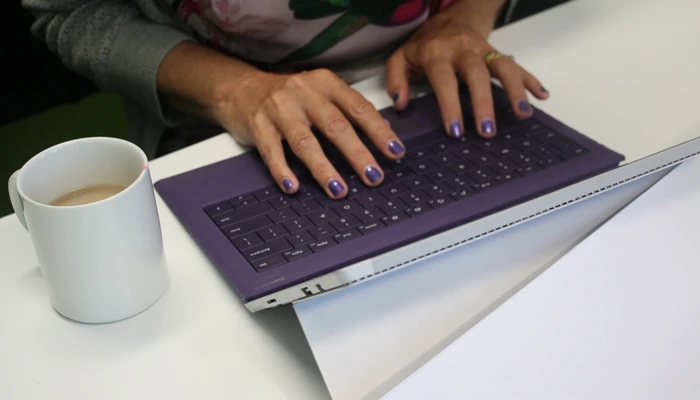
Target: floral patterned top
{"points": [[297, 32]]}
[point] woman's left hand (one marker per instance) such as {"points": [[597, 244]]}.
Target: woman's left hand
{"points": [[453, 44]]}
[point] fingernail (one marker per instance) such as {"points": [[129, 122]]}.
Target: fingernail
{"points": [[456, 129], [395, 148], [287, 184], [373, 174], [395, 97], [542, 89], [524, 106], [487, 126], [335, 187]]}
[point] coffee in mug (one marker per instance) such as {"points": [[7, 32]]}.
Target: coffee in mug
{"points": [[87, 195]]}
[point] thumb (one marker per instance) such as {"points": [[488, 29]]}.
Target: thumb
{"points": [[397, 79]]}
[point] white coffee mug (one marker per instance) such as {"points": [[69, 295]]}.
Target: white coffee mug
{"points": [[102, 261]]}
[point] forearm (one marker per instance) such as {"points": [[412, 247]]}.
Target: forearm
{"points": [[202, 82]]}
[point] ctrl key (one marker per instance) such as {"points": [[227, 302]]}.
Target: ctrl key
{"points": [[269, 262]]}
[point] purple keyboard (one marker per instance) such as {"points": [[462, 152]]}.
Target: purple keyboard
{"points": [[270, 228]]}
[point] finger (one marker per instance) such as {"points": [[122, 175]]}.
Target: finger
{"points": [[478, 78], [508, 72], [533, 84], [333, 124], [363, 114], [295, 128], [445, 85], [397, 80], [268, 140]]}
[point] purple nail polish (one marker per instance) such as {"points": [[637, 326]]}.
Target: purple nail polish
{"points": [[487, 126], [287, 184], [373, 174], [395, 97], [456, 129], [524, 106], [543, 89], [395, 148], [335, 187]]}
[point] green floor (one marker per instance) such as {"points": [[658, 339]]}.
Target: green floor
{"points": [[97, 115]]}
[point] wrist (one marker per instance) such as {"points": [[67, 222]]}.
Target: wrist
{"points": [[238, 98], [479, 14]]}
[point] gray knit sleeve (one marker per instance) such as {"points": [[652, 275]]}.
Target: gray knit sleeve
{"points": [[111, 42]]}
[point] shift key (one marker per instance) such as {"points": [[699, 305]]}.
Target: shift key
{"points": [[242, 213], [265, 250]]}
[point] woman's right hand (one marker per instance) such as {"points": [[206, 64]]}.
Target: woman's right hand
{"points": [[264, 109]]}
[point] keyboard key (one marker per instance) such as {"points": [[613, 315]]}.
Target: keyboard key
{"points": [[522, 159], [417, 209], [322, 244], [345, 223], [245, 201], [356, 187], [368, 214], [321, 215], [437, 176], [346, 235], [367, 200], [458, 182], [297, 224], [439, 147], [345, 207], [416, 182], [391, 206], [484, 186], [371, 227], [398, 174], [437, 189], [299, 238], [481, 174], [422, 167], [269, 262], [504, 166], [265, 250], [299, 252], [526, 145], [245, 241], [246, 226], [440, 201], [414, 197], [393, 190], [272, 233], [233, 216], [218, 208], [394, 218], [549, 161], [460, 167], [266, 193], [418, 154], [463, 193], [284, 214], [282, 201], [306, 207], [527, 170], [445, 159], [239, 198], [486, 145], [464, 152], [323, 230], [507, 177], [308, 192], [481, 159]]}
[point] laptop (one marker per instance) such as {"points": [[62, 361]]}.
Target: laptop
{"points": [[276, 249]]}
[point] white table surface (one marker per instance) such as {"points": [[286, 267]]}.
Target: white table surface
{"points": [[621, 72], [615, 318], [199, 341]]}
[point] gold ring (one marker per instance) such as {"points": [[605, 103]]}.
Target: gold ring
{"points": [[495, 55]]}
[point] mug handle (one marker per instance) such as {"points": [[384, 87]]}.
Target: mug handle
{"points": [[15, 199]]}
